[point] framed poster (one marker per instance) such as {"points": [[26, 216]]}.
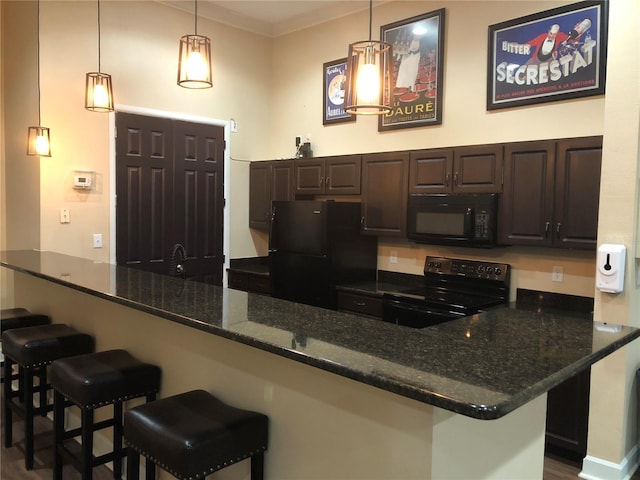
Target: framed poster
{"points": [[334, 80], [418, 46], [553, 55]]}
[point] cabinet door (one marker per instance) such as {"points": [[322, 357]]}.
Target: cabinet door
{"points": [[526, 206], [430, 171], [385, 185], [259, 194], [309, 176], [361, 304], [478, 169], [281, 180], [343, 175], [577, 192]]}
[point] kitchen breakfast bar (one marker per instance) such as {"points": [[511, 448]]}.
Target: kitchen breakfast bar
{"points": [[348, 397]]}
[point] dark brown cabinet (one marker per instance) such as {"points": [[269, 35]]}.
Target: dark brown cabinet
{"points": [[268, 181], [328, 176], [385, 183], [551, 193], [368, 305], [473, 169], [249, 282]]}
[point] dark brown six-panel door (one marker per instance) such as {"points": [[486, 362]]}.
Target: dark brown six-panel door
{"points": [[169, 190]]}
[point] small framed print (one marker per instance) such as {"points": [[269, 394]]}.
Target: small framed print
{"points": [[549, 56], [417, 70], [333, 86]]}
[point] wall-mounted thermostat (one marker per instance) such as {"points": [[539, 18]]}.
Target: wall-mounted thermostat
{"points": [[83, 180]]}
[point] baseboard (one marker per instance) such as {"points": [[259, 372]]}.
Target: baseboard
{"points": [[594, 468]]}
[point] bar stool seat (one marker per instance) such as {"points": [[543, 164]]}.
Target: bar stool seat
{"points": [[11, 318], [92, 381], [192, 435], [33, 349]]}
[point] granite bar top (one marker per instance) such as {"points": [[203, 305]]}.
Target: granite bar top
{"points": [[482, 366]]}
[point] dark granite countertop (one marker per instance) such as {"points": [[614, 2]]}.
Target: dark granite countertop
{"points": [[482, 366]]}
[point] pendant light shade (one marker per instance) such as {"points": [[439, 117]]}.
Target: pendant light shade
{"points": [[38, 138], [194, 62], [369, 77], [98, 93], [38, 142]]}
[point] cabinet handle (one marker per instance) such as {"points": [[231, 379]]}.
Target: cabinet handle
{"points": [[447, 178], [326, 180], [455, 179], [558, 229], [362, 221], [359, 304], [546, 229], [321, 180]]}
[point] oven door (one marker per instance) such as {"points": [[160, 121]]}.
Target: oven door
{"points": [[401, 312]]}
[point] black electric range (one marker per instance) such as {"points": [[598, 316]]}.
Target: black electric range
{"points": [[453, 288]]}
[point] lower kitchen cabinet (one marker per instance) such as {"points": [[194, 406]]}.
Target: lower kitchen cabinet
{"points": [[568, 417], [368, 305], [249, 282]]}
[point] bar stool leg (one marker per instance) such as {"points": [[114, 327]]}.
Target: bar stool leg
{"points": [[133, 464], [8, 423], [257, 466], [87, 444], [42, 381], [58, 434], [117, 440], [28, 418]]}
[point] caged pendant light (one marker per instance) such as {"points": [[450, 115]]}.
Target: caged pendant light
{"points": [[38, 138], [368, 88], [98, 93], [194, 64]]}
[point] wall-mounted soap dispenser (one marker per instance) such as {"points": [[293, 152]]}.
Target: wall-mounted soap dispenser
{"points": [[610, 267]]}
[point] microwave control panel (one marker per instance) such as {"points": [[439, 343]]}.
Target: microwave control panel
{"points": [[482, 226]]}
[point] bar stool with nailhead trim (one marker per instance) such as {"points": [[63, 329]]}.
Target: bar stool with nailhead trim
{"points": [[89, 382], [192, 435], [11, 318], [33, 349]]}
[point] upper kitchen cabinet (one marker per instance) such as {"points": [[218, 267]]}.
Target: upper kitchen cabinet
{"points": [[328, 176], [551, 193], [268, 181], [473, 169], [385, 184]]}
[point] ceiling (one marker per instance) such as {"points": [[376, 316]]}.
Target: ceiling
{"points": [[272, 18]]}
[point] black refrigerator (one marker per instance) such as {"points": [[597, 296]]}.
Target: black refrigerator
{"points": [[316, 245]]}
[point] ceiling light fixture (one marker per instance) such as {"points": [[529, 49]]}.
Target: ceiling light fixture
{"points": [[98, 94], [38, 138], [194, 64], [368, 88]]}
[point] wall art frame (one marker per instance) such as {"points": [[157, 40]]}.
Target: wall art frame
{"points": [[333, 86], [553, 55], [417, 70]]}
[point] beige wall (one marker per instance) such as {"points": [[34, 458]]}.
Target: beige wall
{"points": [[272, 88]]}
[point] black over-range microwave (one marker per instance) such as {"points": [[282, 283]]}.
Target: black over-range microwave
{"points": [[467, 220]]}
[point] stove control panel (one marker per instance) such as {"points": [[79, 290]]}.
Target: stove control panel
{"points": [[466, 268]]}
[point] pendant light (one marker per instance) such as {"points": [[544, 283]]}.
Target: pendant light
{"points": [[98, 94], [368, 88], [38, 138], [194, 64]]}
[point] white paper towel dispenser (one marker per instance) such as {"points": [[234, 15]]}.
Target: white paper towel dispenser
{"points": [[610, 264]]}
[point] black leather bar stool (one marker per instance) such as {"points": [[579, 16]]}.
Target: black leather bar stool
{"points": [[11, 318], [192, 435], [33, 349], [92, 381]]}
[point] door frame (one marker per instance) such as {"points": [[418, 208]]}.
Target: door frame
{"points": [[112, 172]]}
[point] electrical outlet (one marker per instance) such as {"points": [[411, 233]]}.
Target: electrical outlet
{"points": [[393, 256], [97, 240], [64, 215], [557, 275]]}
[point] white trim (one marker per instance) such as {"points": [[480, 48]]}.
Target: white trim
{"points": [[594, 468], [112, 171]]}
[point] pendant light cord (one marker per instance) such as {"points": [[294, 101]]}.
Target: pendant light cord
{"points": [[38, 59], [99, 70], [370, 17], [195, 21]]}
